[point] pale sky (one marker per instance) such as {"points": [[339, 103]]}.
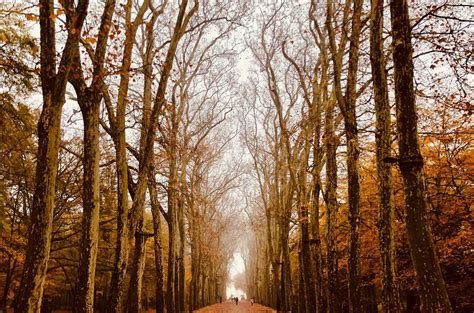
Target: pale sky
{"points": [[236, 267]]}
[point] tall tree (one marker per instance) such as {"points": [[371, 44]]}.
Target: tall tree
{"points": [[330, 141], [89, 99], [431, 287], [390, 288], [117, 128], [146, 155], [347, 104], [140, 236], [54, 79]]}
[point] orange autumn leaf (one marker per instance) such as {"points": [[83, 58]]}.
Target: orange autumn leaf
{"points": [[91, 40], [31, 17]]}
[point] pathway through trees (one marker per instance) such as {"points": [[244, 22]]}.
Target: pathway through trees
{"points": [[230, 307], [315, 155]]}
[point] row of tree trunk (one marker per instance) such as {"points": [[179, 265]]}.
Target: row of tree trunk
{"points": [[208, 270], [301, 152]]}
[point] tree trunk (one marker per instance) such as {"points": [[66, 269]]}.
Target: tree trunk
{"points": [[171, 264], [316, 248], [350, 123], [431, 287], [53, 86], [331, 208], [308, 281], [8, 282], [89, 99], [193, 287], [320, 96], [301, 293], [390, 289], [118, 129], [286, 281], [176, 279], [84, 298], [122, 241], [347, 104], [138, 268], [147, 154], [181, 268], [172, 194], [41, 219], [160, 300]]}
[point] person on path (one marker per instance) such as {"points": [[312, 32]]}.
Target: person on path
{"points": [[252, 301], [236, 300]]}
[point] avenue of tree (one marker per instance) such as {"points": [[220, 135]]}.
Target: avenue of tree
{"points": [[145, 142]]}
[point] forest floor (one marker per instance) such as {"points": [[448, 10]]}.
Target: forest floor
{"points": [[230, 307]]}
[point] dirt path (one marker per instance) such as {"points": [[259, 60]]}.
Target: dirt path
{"points": [[230, 307]]}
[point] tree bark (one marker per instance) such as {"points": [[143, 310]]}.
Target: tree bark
{"points": [[347, 104], [89, 100], [390, 288], [350, 123], [181, 268], [118, 130], [138, 268], [308, 277], [53, 84], [160, 300], [431, 287], [331, 208], [84, 298], [172, 225]]}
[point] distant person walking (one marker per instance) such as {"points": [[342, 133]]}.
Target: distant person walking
{"points": [[252, 301], [236, 300]]}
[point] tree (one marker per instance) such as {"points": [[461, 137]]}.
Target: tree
{"points": [[347, 104], [430, 281], [89, 99], [53, 83], [117, 130], [146, 155], [390, 287]]}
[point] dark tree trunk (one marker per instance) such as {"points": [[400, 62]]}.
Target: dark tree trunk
{"points": [[181, 268], [138, 268], [301, 293], [172, 278], [331, 208], [390, 289], [347, 104], [350, 123], [160, 300], [171, 273], [8, 282], [308, 281], [431, 287]]}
